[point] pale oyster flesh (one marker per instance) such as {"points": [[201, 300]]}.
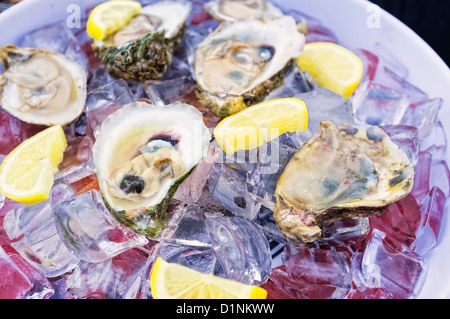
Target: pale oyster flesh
{"points": [[231, 10], [241, 62], [142, 50], [141, 161], [343, 172], [41, 87]]}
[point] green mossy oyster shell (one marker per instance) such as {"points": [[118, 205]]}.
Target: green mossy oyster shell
{"points": [[152, 220], [144, 59]]}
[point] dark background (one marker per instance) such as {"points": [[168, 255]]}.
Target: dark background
{"points": [[430, 19]]}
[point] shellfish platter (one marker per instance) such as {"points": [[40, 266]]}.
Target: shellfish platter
{"points": [[237, 142]]}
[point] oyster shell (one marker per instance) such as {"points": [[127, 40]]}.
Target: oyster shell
{"points": [[142, 50], [41, 87], [344, 172], [241, 62], [140, 162], [231, 10]]}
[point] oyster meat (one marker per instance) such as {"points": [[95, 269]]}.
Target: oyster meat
{"points": [[231, 10], [141, 161], [41, 87], [343, 172], [142, 50], [241, 62]]}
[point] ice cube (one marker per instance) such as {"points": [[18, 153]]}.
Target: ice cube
{"points": [[9, 133], [324, 105], [422, 176], [241, 248], [388, 78], [198, 14], [201, 259], [440, 176], [432, 214], [13, 132], [398, 273], [20, 281], [346, 232], [188, 228], [77, 161], [57, 38], [115, 92], [103, 101], [375, 104], [407, 138], [370, 62], [423, 115], [272, 159], [90, 232], [313, 273], [436, 142], [168, 91], [33, 234], [399, 222], [388, 59], [265, 221], [191, 189], [317, 32], [296, 81], [120, 277], [228, 188], [366, 285], [195, 34]]}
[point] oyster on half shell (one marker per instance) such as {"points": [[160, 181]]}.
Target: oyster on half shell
{"points": [[142, 50], [41, 87], [344, 172], [142, 154], [231, 10], [241, 62]]}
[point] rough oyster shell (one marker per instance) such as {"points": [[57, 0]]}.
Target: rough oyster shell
{"points": [[241, 62], [142, 153], [231, 10], [343, 172], [41, 87], [143, 49]]}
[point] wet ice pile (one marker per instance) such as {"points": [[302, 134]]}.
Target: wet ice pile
{"points": [[220, 220]]}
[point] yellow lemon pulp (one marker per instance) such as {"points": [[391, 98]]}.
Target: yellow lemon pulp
{"points": [[110, 16], [175, 281], [332, 66], [252, 127], [27, 173]]}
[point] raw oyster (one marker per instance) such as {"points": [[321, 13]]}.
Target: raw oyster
{"points": [[41, 87], [231, 10], [241, 62], [344, 172], [142, 154], [143, 49]]}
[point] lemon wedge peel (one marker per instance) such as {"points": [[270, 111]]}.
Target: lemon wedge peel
{"points": [[333, 66], [261, 123], [175, 281], [110, 16], [27, 173]]}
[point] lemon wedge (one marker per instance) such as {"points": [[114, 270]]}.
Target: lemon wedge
{"points": [[27, 173], [110, 16], [253, 126], [332, 66], [175, 281]]}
